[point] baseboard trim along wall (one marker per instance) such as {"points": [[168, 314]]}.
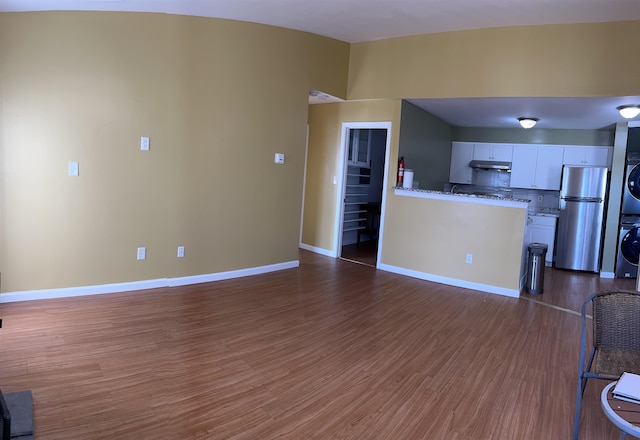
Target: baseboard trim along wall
{"points": [[318, 250], [68, 292], [450, 281]]}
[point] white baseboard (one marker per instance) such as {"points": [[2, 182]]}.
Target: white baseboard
{"points": [[450, 281], [68, 292], [207, 278], [318, 250]]}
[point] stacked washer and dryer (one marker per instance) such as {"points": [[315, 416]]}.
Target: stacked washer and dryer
{"points": [[629, 239]]}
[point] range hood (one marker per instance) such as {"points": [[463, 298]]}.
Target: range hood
{"points": [[490, 165]]}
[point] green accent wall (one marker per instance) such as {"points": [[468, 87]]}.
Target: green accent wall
{"points": [[425, 143], [534, 136]]}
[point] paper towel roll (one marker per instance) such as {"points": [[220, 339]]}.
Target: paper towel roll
{"points": [[408, 179]]}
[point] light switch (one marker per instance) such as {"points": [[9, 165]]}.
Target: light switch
{"points": [[73, 169], [142, 253], [144, 143], [279, 158]]}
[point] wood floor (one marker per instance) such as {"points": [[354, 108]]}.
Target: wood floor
{"points": [[331, 350], [364, 252]]}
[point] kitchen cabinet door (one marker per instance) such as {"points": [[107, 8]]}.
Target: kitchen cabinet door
{"points": [[461, 155], [536, 166], [543, 230], [598, 156], [523, 169], [499, 152], [587, 156], [548, 167]]}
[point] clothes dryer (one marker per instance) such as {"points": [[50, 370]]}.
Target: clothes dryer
{"points": [[628, 247], [631, 190]]}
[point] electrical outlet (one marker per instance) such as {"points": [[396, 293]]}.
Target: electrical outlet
{"points": [[180, 251], [144, 143], [279, 158], [142, 253], [469, 258], [540, 199]]}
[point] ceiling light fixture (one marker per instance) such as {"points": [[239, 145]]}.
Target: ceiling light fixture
{"points": [[629, 111], [528, 122]]}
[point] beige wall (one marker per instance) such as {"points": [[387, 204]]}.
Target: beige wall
{"points": [[325, 125], [218, 98], [558, 60], [434, 237]]}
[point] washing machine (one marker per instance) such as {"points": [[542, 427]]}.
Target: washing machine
{"points": [[628, 247], [631, 190]]}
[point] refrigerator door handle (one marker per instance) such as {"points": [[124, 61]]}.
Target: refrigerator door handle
{"points": [[582, 199]]}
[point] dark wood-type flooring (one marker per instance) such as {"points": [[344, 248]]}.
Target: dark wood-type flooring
{"points": [[330, 350], [364, 252]]}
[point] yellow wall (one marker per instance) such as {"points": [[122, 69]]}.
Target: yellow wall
{"points": [[434, 237], [420, 235], [218, 98], [325, 125], [557, 60]]}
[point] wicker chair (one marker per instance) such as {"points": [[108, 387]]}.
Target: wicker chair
{"points": [[616, 341]]}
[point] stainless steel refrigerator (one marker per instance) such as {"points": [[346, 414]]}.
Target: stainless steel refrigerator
{"points": [[580, 226]]}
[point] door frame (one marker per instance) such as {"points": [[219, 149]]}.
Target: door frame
{"points": [[342, 181]]}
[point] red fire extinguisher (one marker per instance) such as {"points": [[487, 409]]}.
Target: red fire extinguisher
{"points": [[400, 171]]}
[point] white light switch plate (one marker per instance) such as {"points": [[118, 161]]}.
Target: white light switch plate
{"points": [[180, 251], [142, 253], [74, 169], [144, 143], [279, 159]]}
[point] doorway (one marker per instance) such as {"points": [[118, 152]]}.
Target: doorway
{"points": [[365, 149]]}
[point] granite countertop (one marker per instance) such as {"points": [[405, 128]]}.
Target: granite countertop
{"points": [[545, 212], [476, 196]]}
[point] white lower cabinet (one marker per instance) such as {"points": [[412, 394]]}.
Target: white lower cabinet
{"points": [[542, 229], [536, 166]]}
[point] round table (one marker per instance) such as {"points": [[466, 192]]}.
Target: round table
{"points": [[625, 415]]}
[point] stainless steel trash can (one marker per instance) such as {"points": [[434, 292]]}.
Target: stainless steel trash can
{"points": [[535, 267]]}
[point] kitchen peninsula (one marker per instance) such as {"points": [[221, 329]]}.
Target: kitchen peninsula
{"points": [[466, 240]]}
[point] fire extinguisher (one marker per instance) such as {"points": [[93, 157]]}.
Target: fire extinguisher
{"points": [[400, 171]]}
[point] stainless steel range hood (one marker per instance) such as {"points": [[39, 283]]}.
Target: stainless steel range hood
{"points": [[490, 165]]}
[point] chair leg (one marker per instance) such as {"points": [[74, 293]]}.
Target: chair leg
{"points": [[582, 382]]}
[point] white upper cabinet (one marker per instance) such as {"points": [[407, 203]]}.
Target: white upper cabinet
{"points": [[498, 152], [359, 148], [587, 156], [461, 155], [536, 166]]}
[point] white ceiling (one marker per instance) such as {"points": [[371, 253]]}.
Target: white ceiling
{"points": [[365, 20]]}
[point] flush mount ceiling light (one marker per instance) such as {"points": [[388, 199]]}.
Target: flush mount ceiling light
{"points": [[629, 111], [528, 122]]}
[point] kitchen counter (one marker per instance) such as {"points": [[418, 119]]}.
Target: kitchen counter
{"points": [[475, 241], [485, 199]]}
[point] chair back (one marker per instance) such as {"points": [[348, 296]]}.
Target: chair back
{"points": [[616, 320]]}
